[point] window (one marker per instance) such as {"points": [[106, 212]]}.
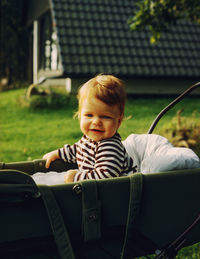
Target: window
{"points": [[48, 45]]}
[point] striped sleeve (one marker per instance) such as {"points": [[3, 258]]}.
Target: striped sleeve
{"points": [[109, 161], [68, 153]]}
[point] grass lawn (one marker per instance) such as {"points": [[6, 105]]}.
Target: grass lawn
{"points": [[28, 134]]}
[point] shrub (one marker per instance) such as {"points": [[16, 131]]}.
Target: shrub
{"points": [[184, 131], [45, 97]]}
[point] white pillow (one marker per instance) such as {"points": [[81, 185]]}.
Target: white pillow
{"points": [[153, 153]]}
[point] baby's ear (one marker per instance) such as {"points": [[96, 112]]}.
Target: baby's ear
{"points": [[120, 120]]}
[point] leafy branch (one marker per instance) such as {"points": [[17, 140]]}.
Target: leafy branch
{"points": [[160, 15]]}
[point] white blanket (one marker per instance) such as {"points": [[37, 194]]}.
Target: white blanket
{"points": [[151, 153]]}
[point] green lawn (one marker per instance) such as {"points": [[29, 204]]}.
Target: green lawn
{"points": [[28, 134]]}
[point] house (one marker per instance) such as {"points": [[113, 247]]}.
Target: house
{"points": [[76, 39]]}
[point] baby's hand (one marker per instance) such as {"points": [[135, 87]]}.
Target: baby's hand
{"points": [[69, 176], [50, 157]]}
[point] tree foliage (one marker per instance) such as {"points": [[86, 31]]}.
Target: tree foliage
{"points": [[13, 41], [160, 15]]}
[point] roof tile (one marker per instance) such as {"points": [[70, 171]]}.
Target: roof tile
{"points": [[94, 37]]}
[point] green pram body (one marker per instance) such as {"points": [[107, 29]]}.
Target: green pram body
{"points": [[137, 214]]}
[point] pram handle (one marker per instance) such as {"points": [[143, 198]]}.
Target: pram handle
{"points": [[172, 104], [38, 165]]}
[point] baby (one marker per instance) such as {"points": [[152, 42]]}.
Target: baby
{"points": [[99, 153]]}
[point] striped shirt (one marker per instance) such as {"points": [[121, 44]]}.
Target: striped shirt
{"points": [[98, 160]]}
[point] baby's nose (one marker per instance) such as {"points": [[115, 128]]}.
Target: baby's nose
{"points": [[96, 120]]}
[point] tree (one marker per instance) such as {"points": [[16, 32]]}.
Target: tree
{"points": [[13, 41], [159, 15]]}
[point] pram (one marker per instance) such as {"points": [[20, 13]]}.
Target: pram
{"points": [[125, 217]]}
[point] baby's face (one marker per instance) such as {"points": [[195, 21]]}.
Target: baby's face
{"points": [[99, 120]]}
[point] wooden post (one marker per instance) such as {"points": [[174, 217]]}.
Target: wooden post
{"points": [[68, 84], [35, 51]]}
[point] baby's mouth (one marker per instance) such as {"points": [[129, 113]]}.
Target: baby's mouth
{"points": [[96, 130]]}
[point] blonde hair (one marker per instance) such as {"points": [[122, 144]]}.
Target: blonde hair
{"points": [[107, 88]]}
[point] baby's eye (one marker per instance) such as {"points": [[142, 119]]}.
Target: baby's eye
{"points": [[106, 117], [88, 115]]}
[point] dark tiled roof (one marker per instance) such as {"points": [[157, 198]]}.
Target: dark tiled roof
{"points": [[94, 37]]}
